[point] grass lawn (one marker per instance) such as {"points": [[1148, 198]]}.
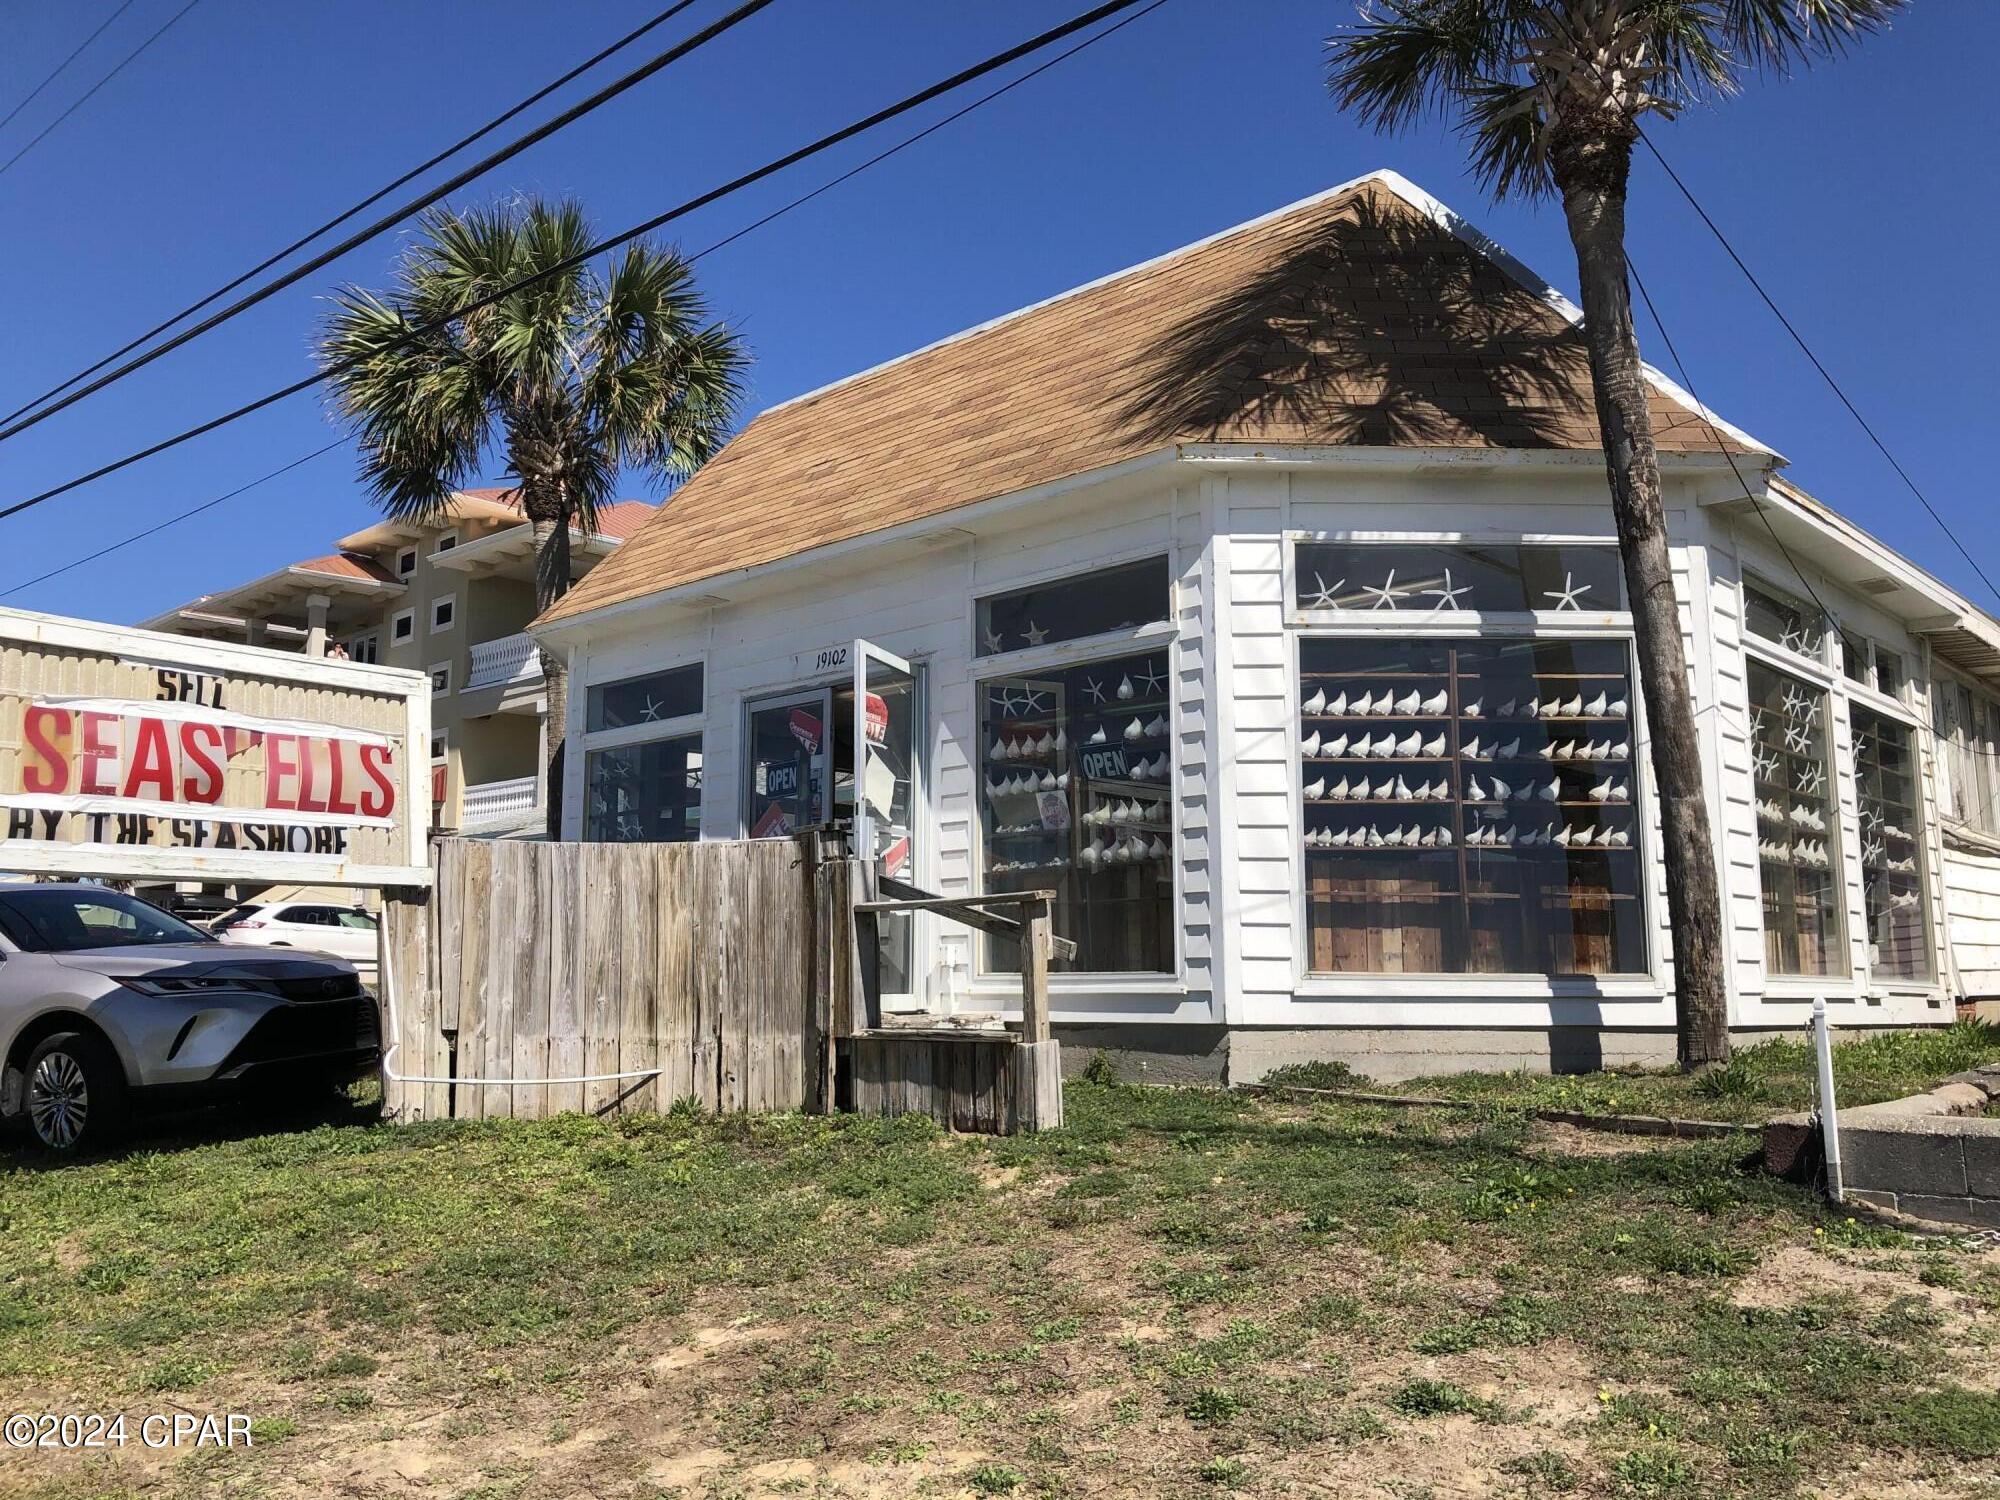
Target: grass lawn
{"points": [[1184, 1293], [1770, 1078]]}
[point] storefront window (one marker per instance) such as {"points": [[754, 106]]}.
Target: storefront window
{"points": [[644, 700], [1892, 886], [1797, 839], [1782, 622], [1490, 578], [1119, 598], [645, 793], [1470, 807], [787, 760], [1076, 797]]}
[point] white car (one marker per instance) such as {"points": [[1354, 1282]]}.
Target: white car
{"points": [[344, 931]]}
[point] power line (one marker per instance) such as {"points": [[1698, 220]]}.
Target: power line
{"points": [[824, 143], [369, 202], [123, 63], [1812, 358], [174, 520], [424, 200], [729, 239], [56, 72]]}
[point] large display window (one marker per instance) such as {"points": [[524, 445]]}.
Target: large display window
{"points": [[1469, 807], [1798, 843], [1892, 883], [648, 792], [1076, 797]]}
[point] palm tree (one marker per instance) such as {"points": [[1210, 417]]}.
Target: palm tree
{"points": [[1550, 95], [585, 373]]}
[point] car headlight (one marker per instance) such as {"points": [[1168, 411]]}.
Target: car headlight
{"points": [[204, 984]]}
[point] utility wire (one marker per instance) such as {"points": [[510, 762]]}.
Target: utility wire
{"points": [[57, 71], [1812, 358], [424, 200], [123, 63], [174, 520], [369, 202], [824, 143], [729, 239]]}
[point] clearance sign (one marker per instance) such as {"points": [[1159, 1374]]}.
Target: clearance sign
{"points": [[192, 760]]}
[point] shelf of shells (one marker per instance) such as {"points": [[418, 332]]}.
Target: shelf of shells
{"points": [[1494, 759], [1794, 794], [1082, 791]]}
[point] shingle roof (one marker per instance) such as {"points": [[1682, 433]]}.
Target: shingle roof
{"points": [[347, 565], [1357, 317]]}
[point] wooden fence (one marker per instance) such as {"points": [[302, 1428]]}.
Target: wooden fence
{"points": [[702, 968]]}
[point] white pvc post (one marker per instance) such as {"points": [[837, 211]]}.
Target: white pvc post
{"points": [[1829, 1114]]}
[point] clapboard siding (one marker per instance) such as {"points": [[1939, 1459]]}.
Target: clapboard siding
{"points": [[1972, 901]]}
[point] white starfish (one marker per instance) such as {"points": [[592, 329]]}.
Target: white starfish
{"points": [[1152, 681], [652, 709], [1094, 690], [1448, 596], [1322, 596], [1566, 596], [1814, 781], [1766, 766], [1387, 594], [992, 640], [1796, 703], [1005, 703], [1031, 700], [1797, 736], [1795, 640], [1034, 636]]}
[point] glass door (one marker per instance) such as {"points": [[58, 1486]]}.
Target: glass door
{"points": [[886, 713], [784, 784]]}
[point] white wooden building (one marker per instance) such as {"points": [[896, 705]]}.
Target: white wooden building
{"points": [[1262, 602]]}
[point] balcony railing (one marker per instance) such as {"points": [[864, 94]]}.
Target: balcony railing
{"points": [[512, 658], [497, 801]]}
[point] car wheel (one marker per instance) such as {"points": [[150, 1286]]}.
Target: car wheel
{"points": [[75, 1096]]}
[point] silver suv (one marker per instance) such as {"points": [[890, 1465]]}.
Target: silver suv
{"points": [[106, 1002]]}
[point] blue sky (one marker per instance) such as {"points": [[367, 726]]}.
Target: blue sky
{"points": [[1861, 193]]}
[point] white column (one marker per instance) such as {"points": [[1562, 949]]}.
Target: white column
{"points": [[316, 608]]}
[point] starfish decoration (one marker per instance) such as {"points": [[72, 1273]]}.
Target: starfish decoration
{"points": [[1004, 701], [1796, 639], [1797, 737], [1033, 636], [1323, 596], [651, 710], [1448, 596], [1150, 680], [1094, 690], [1031, 700], [1815, 780], [628, 831], [1796, 703], [1387, 594], [1873, 853], [1568, 595], [992, 641], [1766, 766]]}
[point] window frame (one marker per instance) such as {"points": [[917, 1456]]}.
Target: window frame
{"points": [[1157, 635], [607, 742], [402, 626], [406, 562], [1432, 989], [446, 540], [447, 602], [432, 672], [1826, 660], [588, 741]]}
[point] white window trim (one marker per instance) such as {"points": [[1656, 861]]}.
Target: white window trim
{"points": [[446, 540], [1826, 661], [450, 600], [1065, 573], [440, 746], [687, 726], [1157, 636], [432, 671], [406, 554], [1436, 621], [1446, 986], [398, 635]]}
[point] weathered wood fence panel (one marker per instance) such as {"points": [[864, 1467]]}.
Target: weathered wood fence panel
{"points": [[708, 970]]}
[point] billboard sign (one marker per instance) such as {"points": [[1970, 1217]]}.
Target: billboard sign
{"points": [[130, 755]]}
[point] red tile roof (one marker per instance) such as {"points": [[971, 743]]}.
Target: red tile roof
{"points": [[347, 565]]}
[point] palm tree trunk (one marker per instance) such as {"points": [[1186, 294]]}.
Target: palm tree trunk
{"points": [[1591, 163], [552, 580]]}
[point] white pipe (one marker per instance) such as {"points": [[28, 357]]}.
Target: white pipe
{"points": [[1829, 1114], [386, 970]]}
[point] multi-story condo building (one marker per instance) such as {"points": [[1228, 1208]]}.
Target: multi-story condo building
{"points": [[452, 599]]}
